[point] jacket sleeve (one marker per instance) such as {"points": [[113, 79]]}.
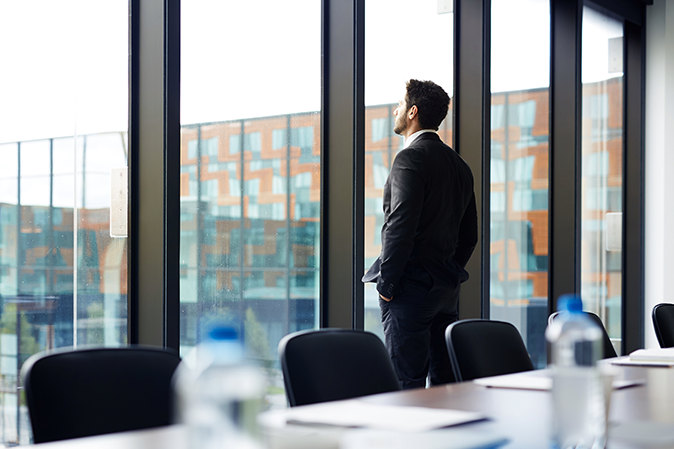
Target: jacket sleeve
{"points": [[407, 195], [467, 238]]}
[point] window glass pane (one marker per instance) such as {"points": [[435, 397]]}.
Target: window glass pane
{"points": [[391, 60], [520, 74], [250, 172], [602, 174], [64, 127]]}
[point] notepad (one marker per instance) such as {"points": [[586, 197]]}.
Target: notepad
{"points": [[540, 380], [653, 355], [356, 413], [662, 357], [627, 361], [531, 380]]}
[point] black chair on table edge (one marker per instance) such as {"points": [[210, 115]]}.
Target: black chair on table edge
{"points": [[74, 393], [333, 364], [483, 348]]}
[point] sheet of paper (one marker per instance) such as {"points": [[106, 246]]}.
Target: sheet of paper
{"points": [[540, 380], [627, 361], [356, 413], [518, 381], [653, 355]]}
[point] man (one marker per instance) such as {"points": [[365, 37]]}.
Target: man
{"points": [[429, 233]]}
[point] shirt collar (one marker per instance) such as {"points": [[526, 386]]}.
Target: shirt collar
{"points": [[414, 136]]}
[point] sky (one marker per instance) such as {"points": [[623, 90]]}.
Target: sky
{"points": [[65, 69], [520, 45]]}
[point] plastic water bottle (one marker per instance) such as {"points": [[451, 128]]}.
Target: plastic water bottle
{"points": [[579, 412], [218, 394]]}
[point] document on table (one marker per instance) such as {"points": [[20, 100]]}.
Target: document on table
{"points": [[627, 361], [648, 357], [356, 413], [528, 380], [540, 380], [653, 355]]}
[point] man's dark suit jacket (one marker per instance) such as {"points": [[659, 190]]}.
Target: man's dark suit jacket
{"points": [[430, 219]]}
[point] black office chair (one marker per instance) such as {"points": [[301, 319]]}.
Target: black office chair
{"points": [[83, 392], [482, 348], [332, 364], [663, 321], [609, 350]]}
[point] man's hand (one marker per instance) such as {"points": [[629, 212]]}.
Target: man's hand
{"points": [[385, 299]]}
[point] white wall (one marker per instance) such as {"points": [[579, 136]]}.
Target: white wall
{"points": [[659, 176]]}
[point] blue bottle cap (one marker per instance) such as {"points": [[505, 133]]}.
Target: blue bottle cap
{"points": [[570, 303], [223, 333]]}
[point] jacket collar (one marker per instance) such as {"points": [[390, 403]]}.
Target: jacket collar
{"points": [[416, 135]]}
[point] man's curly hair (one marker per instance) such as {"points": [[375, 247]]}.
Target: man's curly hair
{"points": [[431, 100]]}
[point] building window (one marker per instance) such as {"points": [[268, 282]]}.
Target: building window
{"points": [[602, 168], [519, 168], [63, 277], [250, 249]]}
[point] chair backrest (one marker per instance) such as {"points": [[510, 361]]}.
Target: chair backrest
{"points": [[482, 348], [609, 350], [85, 392], [332, 364], [663, 321]]}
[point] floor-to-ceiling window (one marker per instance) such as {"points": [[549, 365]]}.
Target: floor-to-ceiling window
{"points": [[520, 79], [250, 178], [602, 169], [250, 186], [63, 130], [392, 58]]}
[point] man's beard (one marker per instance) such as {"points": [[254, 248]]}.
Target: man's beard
{"points": [[400, 124]]}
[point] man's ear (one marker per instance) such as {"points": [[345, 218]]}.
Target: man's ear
{"points": [[413, 112]]}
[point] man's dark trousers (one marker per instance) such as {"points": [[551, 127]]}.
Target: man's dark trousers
{"points": [[414, 325]]}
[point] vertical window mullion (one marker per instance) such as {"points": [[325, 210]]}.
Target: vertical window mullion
{"points": [[564, 174], [154, 207], [342, 215], [633, 196], [471, 119]]}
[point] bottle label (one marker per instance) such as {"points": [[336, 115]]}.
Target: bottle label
{"points": [[579, 414]]}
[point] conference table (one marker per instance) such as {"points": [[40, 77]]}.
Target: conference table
{"points": [[641, 416]]}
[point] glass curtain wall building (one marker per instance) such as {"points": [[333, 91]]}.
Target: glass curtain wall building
{"points": [[250, 210]]}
